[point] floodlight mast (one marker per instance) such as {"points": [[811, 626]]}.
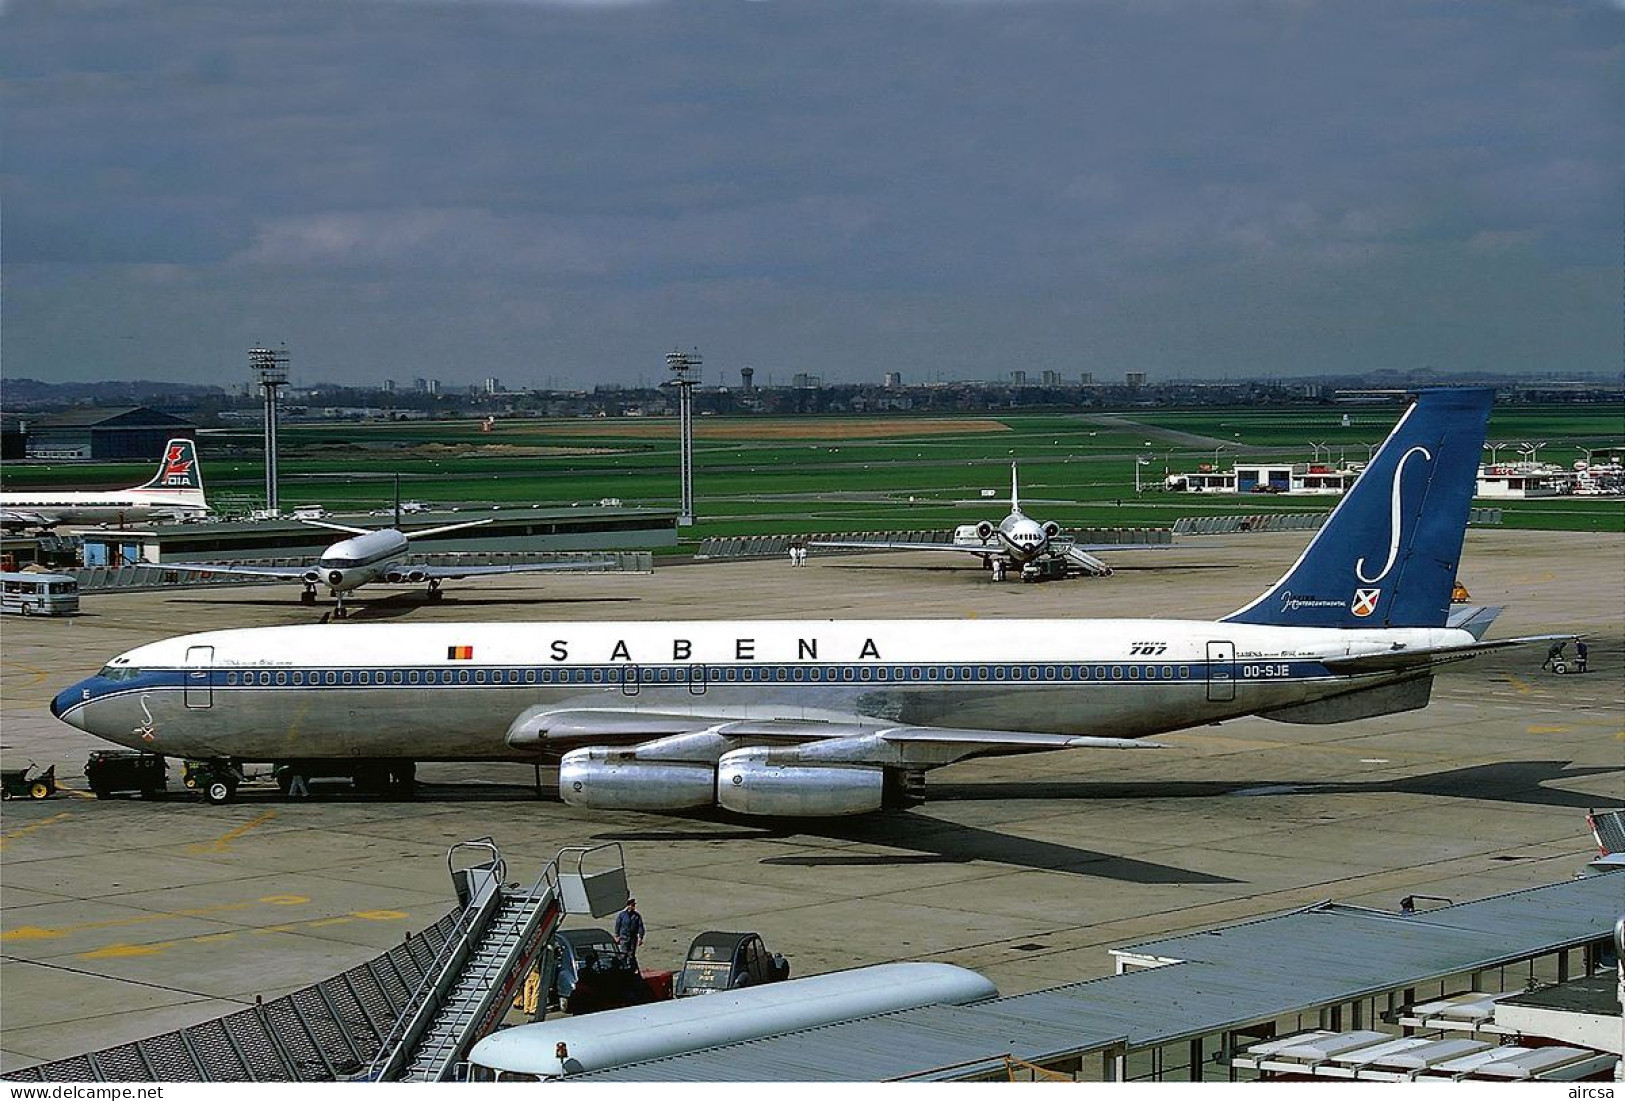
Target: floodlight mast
{"points": [[685, 375], [270, 367]]}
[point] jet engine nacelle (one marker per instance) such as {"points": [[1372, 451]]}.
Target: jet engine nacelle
{"points": [[606, 779], [311, 577], [748, 784], [398, 576], [984, 531], [1051, 529]]}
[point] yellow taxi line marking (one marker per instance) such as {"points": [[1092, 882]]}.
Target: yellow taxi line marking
{"points": [[1548, 729], [119, 951], [32, 826], [39, 675], [35, 932], [223, 842], [1520, 686], [77, 794]]}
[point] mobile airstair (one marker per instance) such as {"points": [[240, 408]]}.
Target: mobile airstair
{"points": [[1085, 562], [500, 935], [1608, 827]]}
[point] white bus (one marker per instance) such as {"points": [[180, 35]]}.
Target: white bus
{"points": [[39, 594]]}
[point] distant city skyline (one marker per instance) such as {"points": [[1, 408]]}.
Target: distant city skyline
{"points": [[558, 193]]}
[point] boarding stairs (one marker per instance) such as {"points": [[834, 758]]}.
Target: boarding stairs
{"points": [[503, 929], [1084, 562], [1608, 827]]}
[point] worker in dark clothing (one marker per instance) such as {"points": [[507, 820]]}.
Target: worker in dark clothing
{"points": [[1555, 654], [1581, 652], [629, 932]]}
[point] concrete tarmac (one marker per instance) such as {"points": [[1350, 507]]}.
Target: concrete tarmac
{"points": [[121, 918]]}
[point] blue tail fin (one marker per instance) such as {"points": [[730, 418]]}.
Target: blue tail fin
{"points": [[1387, 555], [178, 470]]}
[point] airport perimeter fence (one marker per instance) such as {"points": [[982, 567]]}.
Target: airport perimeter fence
{"points": [[778, 546], [1287, 521], [148, 576], [323, 1033]]}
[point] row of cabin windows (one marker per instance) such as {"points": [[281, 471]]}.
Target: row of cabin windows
{"points": [[730, 674]]}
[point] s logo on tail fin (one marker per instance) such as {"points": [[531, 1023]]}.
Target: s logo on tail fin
{"points": [[1395, 521], [1414, 496]]}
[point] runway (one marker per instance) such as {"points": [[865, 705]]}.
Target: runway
{"points": [[121, 919]]}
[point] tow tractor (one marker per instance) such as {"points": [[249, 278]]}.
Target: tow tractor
{"points": [[16, 783]]}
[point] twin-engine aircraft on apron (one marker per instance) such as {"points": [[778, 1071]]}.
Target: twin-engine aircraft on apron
{"points": [[1033, 549], [174, 492], [829, 717]]}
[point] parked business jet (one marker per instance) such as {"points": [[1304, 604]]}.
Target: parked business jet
{"points": [[371, 555], [832, 717], [1018, 542], [174, 492]]}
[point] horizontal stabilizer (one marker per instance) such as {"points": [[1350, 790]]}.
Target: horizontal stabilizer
{"points": [[1392, 660], [1473, 618]]}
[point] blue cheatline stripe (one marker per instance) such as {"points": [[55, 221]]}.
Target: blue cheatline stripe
{"points": [[613, 676]]}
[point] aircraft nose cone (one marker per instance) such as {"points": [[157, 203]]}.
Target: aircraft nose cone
{"points": [[66, 699]]}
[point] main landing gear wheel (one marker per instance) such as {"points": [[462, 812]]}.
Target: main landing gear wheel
{"points": [[308, 596]]}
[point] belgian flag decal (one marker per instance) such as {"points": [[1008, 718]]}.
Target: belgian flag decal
{"points": [[459, 653]]}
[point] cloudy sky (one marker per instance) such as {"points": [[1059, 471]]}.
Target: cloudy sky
{"points": [[563, 191]]}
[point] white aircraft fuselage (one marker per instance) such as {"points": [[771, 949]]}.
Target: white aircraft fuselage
{"points": [[288, 692]]}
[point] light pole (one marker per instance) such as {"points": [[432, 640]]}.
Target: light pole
{"points": [[270, 367], [685, 374], [1139, 461]]}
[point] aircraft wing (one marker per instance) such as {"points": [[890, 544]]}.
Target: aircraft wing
{"points": [[270, 573], [1386, 660], [1061, 546], [841, 740], [451, 573], [881, 544], [18, 518]]}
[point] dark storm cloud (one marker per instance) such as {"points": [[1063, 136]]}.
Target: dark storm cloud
{"points": [[542, 190]]}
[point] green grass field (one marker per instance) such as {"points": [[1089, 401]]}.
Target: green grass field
{"points": [[836, 474]]}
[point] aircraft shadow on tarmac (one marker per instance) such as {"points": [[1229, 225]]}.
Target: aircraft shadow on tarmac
{"points": [[1521, 782], [932, 841]]}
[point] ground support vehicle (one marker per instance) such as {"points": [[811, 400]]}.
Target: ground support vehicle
{"points": [[16, 783], [728, 961], [216, 781], [28, 593], [120, 771]]}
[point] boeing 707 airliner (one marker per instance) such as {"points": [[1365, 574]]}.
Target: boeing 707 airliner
{"points": [[831, 717]]}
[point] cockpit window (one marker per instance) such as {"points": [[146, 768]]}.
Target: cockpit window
{"points": [[118, 672]]}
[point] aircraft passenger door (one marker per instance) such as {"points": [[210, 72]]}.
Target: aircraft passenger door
{"points": [[199, 687], [1221, 672], [629, 680], [696, 679]]}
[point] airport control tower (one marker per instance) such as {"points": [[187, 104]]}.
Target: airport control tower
{"points": [[685, 375], [270, 367]]}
